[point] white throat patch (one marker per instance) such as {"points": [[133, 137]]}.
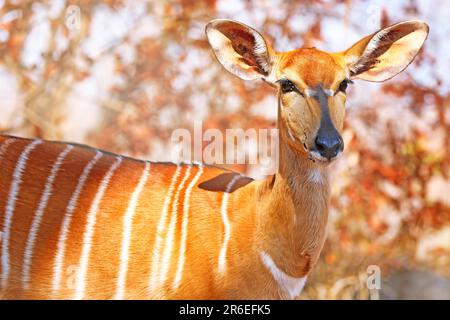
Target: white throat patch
{"points": [[315, 176], [290, 285]]}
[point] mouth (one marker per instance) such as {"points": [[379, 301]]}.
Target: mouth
{"points": [[316, 157]]}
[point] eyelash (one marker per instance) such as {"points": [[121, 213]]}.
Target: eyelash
{"points": [[287, 86]]}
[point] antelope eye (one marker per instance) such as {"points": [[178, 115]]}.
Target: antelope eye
{"points": [[287, 86], [344, 84]]}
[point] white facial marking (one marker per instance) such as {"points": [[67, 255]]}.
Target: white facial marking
{"points": [[61, 246], [312, 93], [290, 286], [291, 136], [315, 155], [89, 231], [48, 189], [127, 225], [10, 206], [226, 223]]}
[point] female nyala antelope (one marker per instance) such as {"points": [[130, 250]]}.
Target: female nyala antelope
{"points": [[80, 223]]}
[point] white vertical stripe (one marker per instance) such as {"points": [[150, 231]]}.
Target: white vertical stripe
{"points": [[160, 229], [89, 231], [48, 189], [171, 231], [5, 146], [61, 247], [226, 223], [127, 225], [181, 257], [12, 197]]}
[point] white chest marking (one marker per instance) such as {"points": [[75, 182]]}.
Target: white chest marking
{"points": [[290, 285]]}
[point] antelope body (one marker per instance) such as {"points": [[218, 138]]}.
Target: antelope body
{"points": [[80, 223]]}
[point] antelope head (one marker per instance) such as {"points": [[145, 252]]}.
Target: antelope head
{"points": [[312, 83]]}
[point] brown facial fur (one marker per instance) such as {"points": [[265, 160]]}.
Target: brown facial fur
{"points": [[309, 68]]}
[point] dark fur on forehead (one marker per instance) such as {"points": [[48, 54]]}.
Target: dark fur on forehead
{"points": [[325, 122]]}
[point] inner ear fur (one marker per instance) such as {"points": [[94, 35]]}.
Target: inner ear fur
{"points": [[240, 49], [387, 52]]}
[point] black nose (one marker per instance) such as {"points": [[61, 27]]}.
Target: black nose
{"points": [[329, 145]]}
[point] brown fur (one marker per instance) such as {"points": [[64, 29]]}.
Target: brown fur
{"points": [[284, 215], [277, 219]]}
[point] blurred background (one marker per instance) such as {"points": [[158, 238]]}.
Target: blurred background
{"points": [[122, 75]]}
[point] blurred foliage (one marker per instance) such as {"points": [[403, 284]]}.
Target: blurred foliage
{"points": [[391, 200]]}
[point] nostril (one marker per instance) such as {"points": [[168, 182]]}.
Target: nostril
{"points": [[328, 146], [323, 143], [319, 145]]}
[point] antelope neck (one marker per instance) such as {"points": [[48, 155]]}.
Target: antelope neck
{"points": [[297, 211]]}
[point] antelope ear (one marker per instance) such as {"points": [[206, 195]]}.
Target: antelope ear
{"points": [[240, 49], [386, 53]]}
